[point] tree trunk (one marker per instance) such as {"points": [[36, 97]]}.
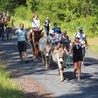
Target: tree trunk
{"points": [[87, 9]]}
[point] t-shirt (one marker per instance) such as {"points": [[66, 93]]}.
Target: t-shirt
{"points": [[82, 38], [35, 23], [9, 24], [65, 41], [57, 37], [77, 49], [21, 34], [56, 30], [52, 39], [47, 24]]}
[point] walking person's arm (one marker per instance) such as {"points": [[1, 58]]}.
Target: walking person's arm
{"points": [[71, 48], [26, 37]]}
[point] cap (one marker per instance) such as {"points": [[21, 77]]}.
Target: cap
{"points": [[80, 28], [51, 32], [77, 36], [47, 17], [65, 32]]}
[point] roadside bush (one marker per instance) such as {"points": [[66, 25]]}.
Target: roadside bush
{"points": [[23, 12]]}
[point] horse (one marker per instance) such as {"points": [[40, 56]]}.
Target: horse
{"points": [[45, 47], [59, 56], [55, 53], [34, 36]]}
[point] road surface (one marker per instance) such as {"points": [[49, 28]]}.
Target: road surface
{"points": [[49, 78]]}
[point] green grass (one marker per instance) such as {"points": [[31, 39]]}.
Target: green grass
{"points": [[17, 21], [92, 45], [7, 88]]}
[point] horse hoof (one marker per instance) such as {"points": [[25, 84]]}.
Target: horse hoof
{"points": [[47, 67], [62, 79]]}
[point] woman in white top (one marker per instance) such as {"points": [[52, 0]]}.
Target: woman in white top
{"points": [[35, 22]]}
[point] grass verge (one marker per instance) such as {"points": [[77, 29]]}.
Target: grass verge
{"points": [[93, 46], [7, 89]]}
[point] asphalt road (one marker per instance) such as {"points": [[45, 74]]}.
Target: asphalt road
{"points": [[49, 78]]}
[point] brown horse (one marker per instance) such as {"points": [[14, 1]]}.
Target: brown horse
{"points": [[34, 36]]}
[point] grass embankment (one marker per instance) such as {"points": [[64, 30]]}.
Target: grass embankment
{"points": [[93, 45], [7, 89]]}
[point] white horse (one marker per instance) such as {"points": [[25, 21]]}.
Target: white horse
{"points": [[45, 49], [59, 56]]}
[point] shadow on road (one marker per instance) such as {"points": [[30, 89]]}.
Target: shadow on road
{"points": [[88, 88]]}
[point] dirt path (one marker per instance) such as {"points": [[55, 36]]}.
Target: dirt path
{"points": [[31, 88], [39, 82]]}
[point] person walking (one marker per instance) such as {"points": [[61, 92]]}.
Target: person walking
{"points": [[83, 41], [9, 27], [76, 49], [47, 26], [22, 42], [1, 27]]}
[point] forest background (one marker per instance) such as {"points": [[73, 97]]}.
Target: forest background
{"points": [[69, 15]]}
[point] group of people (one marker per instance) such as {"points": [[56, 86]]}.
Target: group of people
{"points": [[77, 47], [6, 25]]}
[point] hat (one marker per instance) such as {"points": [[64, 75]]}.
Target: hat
{"points": [[65, 32], [77, 36], [51, 32], [47, 17], [80, 28]]}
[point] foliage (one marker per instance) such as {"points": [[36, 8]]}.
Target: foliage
{"points": [[23, 13], [69, 14]]}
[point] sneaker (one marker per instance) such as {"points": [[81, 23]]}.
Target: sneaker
{"points": [[74, 75], [21, 60], [79, 79], [26, 61], [83, 65]]}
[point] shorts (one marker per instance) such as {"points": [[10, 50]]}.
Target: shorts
{"points": [[83, 51], [22, 46], [77, 58]]}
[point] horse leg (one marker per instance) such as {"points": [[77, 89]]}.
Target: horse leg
{"points": [[61, 75], [58, 72], [43, 58], [60, 68], [47, 62]]}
